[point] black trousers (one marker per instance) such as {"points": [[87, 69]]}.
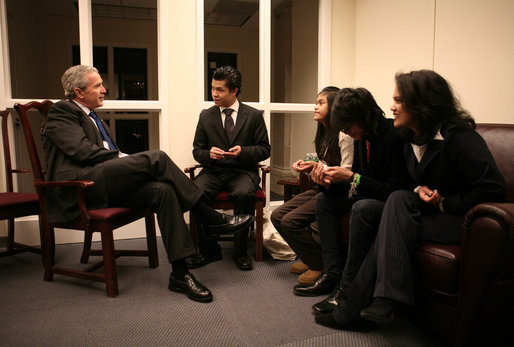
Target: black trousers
{"points": [[241, 189], [387, 272], [151, 179], [292, 221]]}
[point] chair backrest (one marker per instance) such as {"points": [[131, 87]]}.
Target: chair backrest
{"points": [[7, 150], [500, 140], [22, 110]]}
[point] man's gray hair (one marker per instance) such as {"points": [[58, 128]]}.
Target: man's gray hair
{"points": [[76, 77]]}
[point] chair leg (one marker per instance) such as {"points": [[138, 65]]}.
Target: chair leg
{"points": [[42, 238], [193, 230], [88, 237], [259, 216], [10, 235], [151, 240], [111, 274], [48, 251]]}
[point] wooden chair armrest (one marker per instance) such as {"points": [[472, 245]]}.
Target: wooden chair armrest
{"points": [[191, 170], [305, 182], [21, 171], [80, 185], [264, 170]]}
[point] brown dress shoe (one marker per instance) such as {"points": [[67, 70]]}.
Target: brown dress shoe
{"points": [[309, 277], [299, 267]]}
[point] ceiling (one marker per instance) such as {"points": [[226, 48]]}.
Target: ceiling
{"points": [[216, 12], [229, 12]]}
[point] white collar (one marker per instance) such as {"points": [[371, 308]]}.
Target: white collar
{"points": [[235, 106]]}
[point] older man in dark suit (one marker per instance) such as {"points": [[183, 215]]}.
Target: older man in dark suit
{"points": [[231, 138], [79, 146]]}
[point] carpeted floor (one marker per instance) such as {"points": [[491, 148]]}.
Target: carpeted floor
{"points": [[254, 308]]}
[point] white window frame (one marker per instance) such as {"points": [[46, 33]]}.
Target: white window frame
{"points": [[159, 106], [264, 104], [86, 58]]}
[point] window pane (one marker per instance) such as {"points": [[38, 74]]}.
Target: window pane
{"points": [[292, 137], [128, 33], [41, 35], [231, 32], [294, 50]]}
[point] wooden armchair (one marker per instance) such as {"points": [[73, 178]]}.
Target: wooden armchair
{"points": [[14, 204], [222, 202], [103, 220]]}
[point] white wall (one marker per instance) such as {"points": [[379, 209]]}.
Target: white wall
{"points": [[469, 42]]}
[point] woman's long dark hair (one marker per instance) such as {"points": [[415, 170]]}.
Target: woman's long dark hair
{"points": [[327, 139], [429, 98], [357, 106]]}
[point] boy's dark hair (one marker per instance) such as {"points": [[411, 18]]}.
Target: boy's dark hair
{"points": [[356, 106], [230, 75]]}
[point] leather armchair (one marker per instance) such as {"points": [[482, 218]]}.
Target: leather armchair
{"points": [[464, 292]]}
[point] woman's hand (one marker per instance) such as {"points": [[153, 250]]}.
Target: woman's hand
{"points": [[430, 196], [318, 175], [303, 166], [338, 174]]}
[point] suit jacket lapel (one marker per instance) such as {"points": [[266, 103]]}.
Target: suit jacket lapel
{"points": [[433, 149], [411, 162], [241, 118], [91, 131], [217, 123]]}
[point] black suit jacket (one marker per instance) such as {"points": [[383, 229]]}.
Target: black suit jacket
{"points": [[74, 151], [384, 172], [460, 167], [250, 133]]}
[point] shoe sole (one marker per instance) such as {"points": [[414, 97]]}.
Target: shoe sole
{"points": [[317, 311], [221, 232], [197, 266], [309, 294], [379, 319], [307, 283], [180, 290]]}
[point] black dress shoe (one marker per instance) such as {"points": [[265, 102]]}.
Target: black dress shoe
{"points": [[193, 289], [325, 284], [329, 304], [243, 262], [233, 224], [328, 320], [198, 260], [381, 310]]}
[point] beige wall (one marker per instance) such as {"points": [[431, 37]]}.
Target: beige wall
{"points": [[467, 41], [343, 42], [474, 48]]}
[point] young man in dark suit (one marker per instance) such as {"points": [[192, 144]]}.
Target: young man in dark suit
{"points": [[230, 139], [79, 146]]}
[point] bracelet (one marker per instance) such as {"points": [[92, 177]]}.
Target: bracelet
{"points": [[353, 186]]}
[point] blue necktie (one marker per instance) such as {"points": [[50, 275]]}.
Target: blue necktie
{"points": [[100, 126]]}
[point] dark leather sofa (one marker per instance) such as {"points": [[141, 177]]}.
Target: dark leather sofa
{"points": [[465, 293]]}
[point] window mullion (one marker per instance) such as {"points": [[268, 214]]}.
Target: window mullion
{"points": [[85, 32]]}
